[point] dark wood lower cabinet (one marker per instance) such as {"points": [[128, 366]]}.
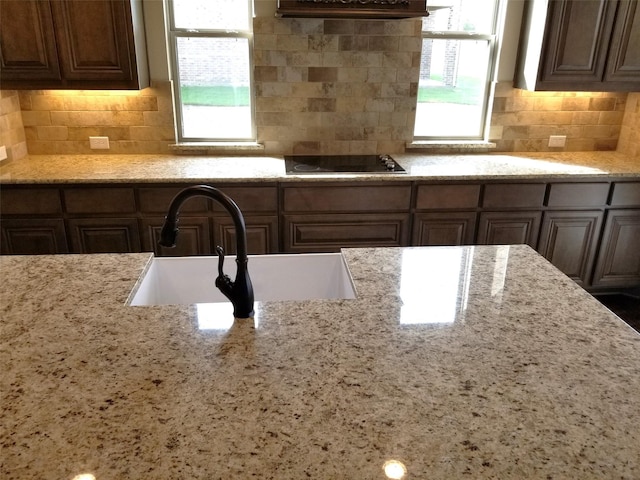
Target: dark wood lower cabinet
{"points": [[33, 236], [104, 235], [563, 220], [451, 228], [508, 228], [619, 260], [568, 239]]}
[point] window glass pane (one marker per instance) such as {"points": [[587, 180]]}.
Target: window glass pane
{"points": [[214, 82], [211, 14], [452, 88], [460, 16]]}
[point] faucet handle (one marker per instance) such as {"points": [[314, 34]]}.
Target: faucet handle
{"points": [[220, 252], [223, 282]]}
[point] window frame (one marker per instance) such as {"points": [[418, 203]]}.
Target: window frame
{"points": [[494, 43], [173, 34]]}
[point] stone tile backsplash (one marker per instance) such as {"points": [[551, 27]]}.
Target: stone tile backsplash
{"points": [[322, 86]]}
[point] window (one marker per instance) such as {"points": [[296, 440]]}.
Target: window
{"points": [[210, 45], [459, 55]]}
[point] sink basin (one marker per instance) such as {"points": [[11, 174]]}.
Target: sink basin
{"points": [[190, 280]]}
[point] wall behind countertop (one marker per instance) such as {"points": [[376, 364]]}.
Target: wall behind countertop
{"points": [[352, 100]]}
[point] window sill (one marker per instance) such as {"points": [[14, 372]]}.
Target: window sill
{"points": [[208, 148], [448, 145]]}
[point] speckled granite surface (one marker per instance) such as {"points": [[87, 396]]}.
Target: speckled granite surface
{"points": [[158, 168], [459, 362]]}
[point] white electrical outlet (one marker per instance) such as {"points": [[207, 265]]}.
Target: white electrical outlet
{"points": [[557, 140], [99, 143], [3, 152]]}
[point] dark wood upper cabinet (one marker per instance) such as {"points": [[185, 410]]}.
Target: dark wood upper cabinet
{"points": [[585, 45], [54, 44]]}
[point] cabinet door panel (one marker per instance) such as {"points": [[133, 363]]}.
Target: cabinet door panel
{"points": [[104, 235], [262, 234], [624, 55], [93, 39], [27, 41], [577, 39], [507, 228], [33, 236], [329, 233], [569, 240], [619, 260], [194, 237], [455, 228]]}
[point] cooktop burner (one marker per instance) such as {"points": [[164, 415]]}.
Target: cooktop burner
{"points": [[322, 164]]}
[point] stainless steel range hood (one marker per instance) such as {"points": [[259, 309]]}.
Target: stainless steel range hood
{"points": [[376, 9]]}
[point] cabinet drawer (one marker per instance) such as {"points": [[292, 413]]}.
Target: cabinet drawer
{"points": [[347, 199], [329, 233], [100, 200], [157, 200], [578, 195], [514, 195], [431, 197], [250, 199], [626, 194], [41, 201]]}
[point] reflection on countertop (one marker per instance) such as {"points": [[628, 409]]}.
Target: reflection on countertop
{"points": [[145, 168], [480, 361]]}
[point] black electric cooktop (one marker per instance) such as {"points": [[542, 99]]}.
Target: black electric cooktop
{"points": [[323, 164]]}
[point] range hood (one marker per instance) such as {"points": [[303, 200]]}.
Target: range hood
{"points": [[377, 9]]}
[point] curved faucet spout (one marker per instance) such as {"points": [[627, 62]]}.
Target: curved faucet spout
{"points": [[239, 291]]}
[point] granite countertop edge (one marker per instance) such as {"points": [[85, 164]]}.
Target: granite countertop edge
{"points": [[149, 168]]}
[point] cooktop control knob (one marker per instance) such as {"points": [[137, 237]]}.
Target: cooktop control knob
{"points": [[388, 162]]}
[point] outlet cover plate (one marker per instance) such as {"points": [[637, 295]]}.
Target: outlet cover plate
{"points": [[99, 143], [557, 140]]}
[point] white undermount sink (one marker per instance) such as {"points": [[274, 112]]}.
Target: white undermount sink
{"points": [[190, 280]]}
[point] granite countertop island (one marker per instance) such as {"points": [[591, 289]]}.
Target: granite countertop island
{"points": [[171, 168], [452, 362]]}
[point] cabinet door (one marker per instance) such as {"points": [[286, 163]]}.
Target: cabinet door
{"points": [[619, 259], [194, 237], [262, 234], [624, 53], [27, 42], [568, 239], [440, 228], [104, 235], [507, 228], [576, 41], [93, 40], [33, 236]]}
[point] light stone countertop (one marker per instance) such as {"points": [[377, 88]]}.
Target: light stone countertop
{"points": [[460, 362], [171, 168]]}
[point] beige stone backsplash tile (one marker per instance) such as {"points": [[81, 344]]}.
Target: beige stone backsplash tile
{"points": [[52, 133], [74, 119], [33, 118], [610, 118]]}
